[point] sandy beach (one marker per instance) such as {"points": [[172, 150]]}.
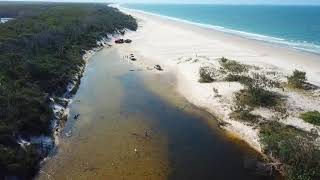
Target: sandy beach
{"points": [[182, 48]]}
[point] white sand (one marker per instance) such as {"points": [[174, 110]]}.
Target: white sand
{"points": [[171, 44]]}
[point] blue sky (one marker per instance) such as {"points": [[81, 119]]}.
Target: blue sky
{"points": [[296, 2]]}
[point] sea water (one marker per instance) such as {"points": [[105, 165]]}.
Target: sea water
{"points": [[294, 26]]}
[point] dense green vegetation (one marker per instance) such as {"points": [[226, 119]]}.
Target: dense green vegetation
{"points": [[312, 117], [297, 79], [40, 53], [292, 147], [257, 97]]}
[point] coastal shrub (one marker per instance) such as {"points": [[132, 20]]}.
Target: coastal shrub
{"points": [[257, 97], [294, 148], [233, 66], [244, 114], [223, 60], [243, 79], [297, 79], [261, 80], [312, 117], [255, 93], [206, 74], [257, 80]]}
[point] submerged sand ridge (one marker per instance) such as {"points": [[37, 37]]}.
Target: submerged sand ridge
{"points": [[183, 48]]}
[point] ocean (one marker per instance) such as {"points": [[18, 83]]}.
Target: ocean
{"points": [[294, 26]]}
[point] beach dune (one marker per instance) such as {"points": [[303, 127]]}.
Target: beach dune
{"points": [[182, 48]]}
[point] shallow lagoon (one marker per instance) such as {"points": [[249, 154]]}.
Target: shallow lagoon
{"points": [[133, 125]]}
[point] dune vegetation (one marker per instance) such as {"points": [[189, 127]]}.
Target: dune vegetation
{"points": [[293, 151]]}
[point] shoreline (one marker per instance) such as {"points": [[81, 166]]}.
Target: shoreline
{"points": [[60, 106], [274, 41], [260, 49], [171, 43]]}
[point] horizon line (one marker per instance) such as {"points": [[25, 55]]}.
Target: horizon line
{"points": [[175, 3]]}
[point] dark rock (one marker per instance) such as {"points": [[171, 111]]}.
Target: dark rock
{"points": [[128, 41], [133, 59], [119, 41], [158, 67], [76, 116], [222, 123], [122, 32]]}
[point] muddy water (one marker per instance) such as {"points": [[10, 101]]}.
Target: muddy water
{"points": [[133, 125]]}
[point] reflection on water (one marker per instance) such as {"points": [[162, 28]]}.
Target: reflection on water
{"points": [[132, 125]]}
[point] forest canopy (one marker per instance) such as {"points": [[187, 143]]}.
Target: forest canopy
{"points": [[40, 53]]}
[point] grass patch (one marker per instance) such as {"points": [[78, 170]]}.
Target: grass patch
{"points": [[233, 66], [312, 117], [294, 148]]}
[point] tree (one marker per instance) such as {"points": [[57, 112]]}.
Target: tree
{"points": [[297, 79]]}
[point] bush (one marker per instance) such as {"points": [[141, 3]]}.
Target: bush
{"points": [[312, 117], [257, 80], [233, 66], [257, 97], [297, 79], [294, 148], [255, 94], [246, 80], [244, 114], [261, 80], [206, 74]]}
